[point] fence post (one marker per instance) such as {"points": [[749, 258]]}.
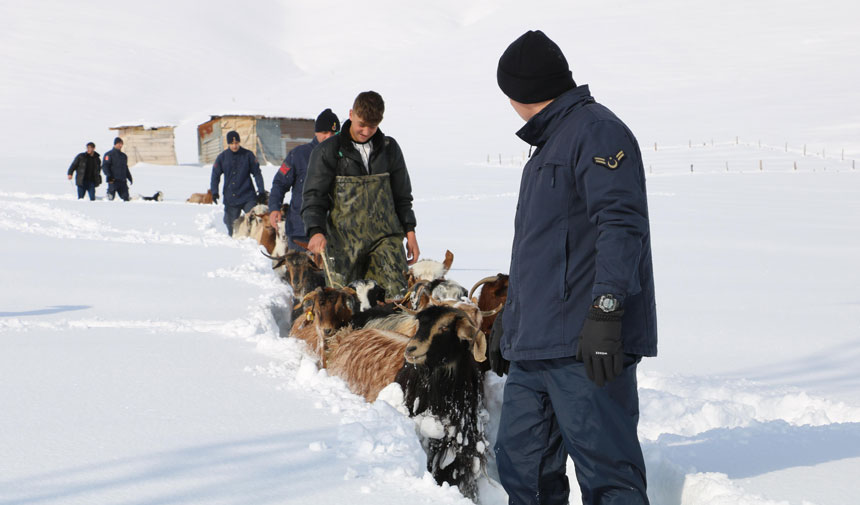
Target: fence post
{"points": [[655, 146], [795, 166], [691, 168], [500, 158], [760, 165], [843, 154], [804, 149], [727, 166], [736, 140], [759, 144], [786, 147]]}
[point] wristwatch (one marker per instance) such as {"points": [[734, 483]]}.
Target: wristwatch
{"points": [[607, 303]]}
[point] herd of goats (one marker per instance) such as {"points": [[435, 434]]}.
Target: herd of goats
{"points": [[432, 341]]}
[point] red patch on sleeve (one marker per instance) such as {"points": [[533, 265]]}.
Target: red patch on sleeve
{"points": [[284, 168], [107, 157]]}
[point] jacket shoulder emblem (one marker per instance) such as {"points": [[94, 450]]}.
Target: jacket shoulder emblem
{"points": [[284, 168], [610, 162], [107, 157]]}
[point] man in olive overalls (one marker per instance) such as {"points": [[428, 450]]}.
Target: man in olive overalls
{"points": [[357, 202]]}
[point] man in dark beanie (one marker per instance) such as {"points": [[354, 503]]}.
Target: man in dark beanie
{"points": [[291, 176], [115, 168], [238, 165], [87, 165], [580, 311]]}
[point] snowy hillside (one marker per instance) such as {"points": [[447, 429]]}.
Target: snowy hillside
{"points": [[141, 350]]}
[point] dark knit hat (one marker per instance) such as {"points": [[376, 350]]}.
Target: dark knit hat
{"points": [[533, 69], [327, 122], [232, 136], [117, 141]]}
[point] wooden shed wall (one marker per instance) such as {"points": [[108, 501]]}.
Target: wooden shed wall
{"points": [[153, 145], [210, 143], [296, 131]]}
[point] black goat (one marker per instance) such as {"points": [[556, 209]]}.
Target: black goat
{"points": [[441, 378]]}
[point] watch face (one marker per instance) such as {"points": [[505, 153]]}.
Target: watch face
{"points": [[607, 303]]}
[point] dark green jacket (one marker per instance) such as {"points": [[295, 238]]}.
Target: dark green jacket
{"points": [[337, 156], [79, 165]]}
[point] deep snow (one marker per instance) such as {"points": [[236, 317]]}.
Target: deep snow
{"points": [[140, 353]]}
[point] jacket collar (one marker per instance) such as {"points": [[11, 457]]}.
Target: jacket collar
{"points": [[540, 127], [377, 139]]}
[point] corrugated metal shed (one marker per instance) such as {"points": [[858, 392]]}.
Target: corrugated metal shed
{"points": [[270, 138], [147, 144]]}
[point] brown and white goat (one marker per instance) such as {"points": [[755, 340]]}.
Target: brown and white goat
{"points": [[323, 312], [428, 270], [201, 197]]}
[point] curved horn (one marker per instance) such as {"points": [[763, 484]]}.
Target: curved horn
{"points": [[481, 283], [412, 288], [273, 258], [488, 313], [404, 309]]}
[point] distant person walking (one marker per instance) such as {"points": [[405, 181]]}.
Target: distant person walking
{"points": [[87, 178], [238, 165], [580, 310], [116, 171], [291, 177]]}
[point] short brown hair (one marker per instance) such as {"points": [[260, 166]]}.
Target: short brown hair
{"points": [[369, 106]]}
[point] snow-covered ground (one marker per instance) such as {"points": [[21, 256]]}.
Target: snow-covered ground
{"points": [[141, 358], [143, 363]]}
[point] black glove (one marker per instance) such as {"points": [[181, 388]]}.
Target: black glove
{"points": [[215, 199], [498, 364], [111, 180], [600, 345], [263, 198]]}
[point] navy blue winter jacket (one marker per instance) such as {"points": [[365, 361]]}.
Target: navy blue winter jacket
{"points": [[115, 166], [581, 230], [291, 177], [237, 168]]}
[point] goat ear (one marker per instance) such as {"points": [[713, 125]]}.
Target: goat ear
{"points": [[476, 338], [449, 260], [479, 347]]}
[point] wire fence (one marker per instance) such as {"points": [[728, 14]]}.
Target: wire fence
{"points": [[735, 155]]}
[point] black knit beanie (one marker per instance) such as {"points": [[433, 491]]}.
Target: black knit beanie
{"points": [[327, 122], [117, 141], [232, 135], [533, 69]]}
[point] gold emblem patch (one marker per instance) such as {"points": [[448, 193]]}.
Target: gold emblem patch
{"points": [[611, 162]]}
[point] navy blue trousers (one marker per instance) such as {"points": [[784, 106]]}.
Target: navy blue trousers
{"points": [[232, 212], [117, 186], [551, 410], [89, 188]]}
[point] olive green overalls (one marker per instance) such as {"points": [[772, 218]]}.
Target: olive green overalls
{"points": [[364, 235]]}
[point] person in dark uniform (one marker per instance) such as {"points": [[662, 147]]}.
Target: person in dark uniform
{"points": [[291, 177], [580, 312], [238, 165], [357, 202], [87, 165], [116, 171]]}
